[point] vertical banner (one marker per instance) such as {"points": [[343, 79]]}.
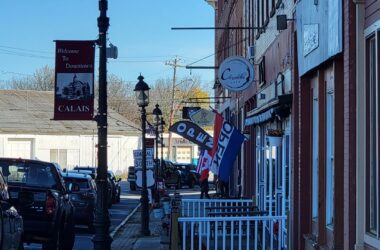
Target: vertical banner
{"points": [[229, 145], [74, 80]]}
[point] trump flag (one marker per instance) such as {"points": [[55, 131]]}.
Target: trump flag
{"points": [[229, 142]]}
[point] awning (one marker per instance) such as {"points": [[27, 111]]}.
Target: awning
{"points": [[279, 107], [260, 118]]}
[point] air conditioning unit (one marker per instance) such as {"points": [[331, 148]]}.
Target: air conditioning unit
{"points": [[251, 52]]}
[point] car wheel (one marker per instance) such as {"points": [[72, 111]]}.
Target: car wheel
{"points": [[54, 242], [68, 236], [118, 197]]}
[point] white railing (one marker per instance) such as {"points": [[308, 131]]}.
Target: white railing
{"points": [[197, 207], [248, 232], [230, 232]]}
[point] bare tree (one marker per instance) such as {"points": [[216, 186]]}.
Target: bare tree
{"points": [[42, 80]]}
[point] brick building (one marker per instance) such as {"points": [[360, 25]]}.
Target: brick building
{"points": [[367, 129]]}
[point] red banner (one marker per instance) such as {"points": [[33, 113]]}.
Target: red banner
{"points": [[74, 80]]}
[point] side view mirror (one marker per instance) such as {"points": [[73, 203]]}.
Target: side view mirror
{"points": [[119, 180], [73, 187]]}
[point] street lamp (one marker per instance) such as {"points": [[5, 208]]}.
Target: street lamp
{"points": [[102, 239], [162, 127], [157, 120], [142, 97]]}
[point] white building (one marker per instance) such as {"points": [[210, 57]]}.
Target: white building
{"points": [[28, 131]]}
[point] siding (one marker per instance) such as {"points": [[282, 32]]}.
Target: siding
{"points": [[372, 12]]}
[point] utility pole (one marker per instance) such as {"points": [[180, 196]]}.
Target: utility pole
{"points": [[174, 64], [102, 239]]}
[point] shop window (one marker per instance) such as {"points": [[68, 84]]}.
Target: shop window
{"points": [[315, 142], [372, 170], [59, 156], [330, 157]]}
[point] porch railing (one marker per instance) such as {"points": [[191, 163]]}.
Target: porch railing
{"points": [[243, 232], [199, 231], [197, 207]]}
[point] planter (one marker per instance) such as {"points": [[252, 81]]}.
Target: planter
{"points": [[157, 213], [275, 140]]}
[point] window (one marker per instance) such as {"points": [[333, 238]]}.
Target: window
{"points": [[330, 152], [315, 135], [372, 170], [59, 156]]}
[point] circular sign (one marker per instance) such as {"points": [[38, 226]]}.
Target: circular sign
{"points": [[236, 73]]}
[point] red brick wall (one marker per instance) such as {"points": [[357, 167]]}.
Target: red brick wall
{"points": [[349, 68]]}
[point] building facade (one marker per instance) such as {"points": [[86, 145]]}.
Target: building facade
{"points": [[28, 131], [367, 168], [306, 87]]}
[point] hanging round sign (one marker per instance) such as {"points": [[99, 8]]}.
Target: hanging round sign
{"points": [[236, 73]]}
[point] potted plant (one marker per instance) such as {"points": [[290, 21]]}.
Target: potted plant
{"points": [[275, 137]]}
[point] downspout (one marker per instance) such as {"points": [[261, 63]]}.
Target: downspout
{"points": [[360, 125]]}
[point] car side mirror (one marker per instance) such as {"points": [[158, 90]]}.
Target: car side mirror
{"points": [[119, 180], [73, 187]]}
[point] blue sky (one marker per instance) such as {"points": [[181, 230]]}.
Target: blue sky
{"points": [[141, 29]]}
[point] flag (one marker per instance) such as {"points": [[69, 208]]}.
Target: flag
{"points": [[217, 127], [204, 161], [230, 140]]}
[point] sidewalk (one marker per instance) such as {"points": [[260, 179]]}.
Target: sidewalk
{"points": [[127, 236]]}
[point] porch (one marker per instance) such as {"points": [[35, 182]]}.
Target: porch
{"points": [[234, 226]]}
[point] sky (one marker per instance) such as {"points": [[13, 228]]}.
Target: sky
{"points": [[141, 29]]}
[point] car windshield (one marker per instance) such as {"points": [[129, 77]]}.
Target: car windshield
{"points": [[29, 174], [82, 183]]}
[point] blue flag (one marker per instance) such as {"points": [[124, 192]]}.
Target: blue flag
{"points": [[229, 144]]}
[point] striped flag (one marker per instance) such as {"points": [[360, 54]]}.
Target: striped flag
{"points": [[204, 161], [218, 122], [229, 145]]}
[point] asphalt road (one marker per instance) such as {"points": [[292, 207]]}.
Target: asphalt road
{"points": [[118, 212]]}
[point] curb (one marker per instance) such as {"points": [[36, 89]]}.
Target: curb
{"points": [[116, 230]]}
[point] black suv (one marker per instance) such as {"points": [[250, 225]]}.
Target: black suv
{"points": [[188, 173], [172, 175], [116, 189], [38, 192], [110, 184], [83, 198], [11, 225]]}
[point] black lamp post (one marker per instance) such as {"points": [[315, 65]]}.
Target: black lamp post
{"points": [[142, 95], [102, 239], [162, 127], [157, 120]]}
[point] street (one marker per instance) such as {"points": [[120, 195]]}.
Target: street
{"points": [[118, 212]]}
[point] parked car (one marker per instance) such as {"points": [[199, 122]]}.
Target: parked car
{"points": [[172, 175], [116, 189], [83, 197], [11, 223], [132, 178], [188, 173], [38, 192], [110, 184]]}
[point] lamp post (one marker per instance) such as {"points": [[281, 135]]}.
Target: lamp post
{"points": [[157, 120], [162, 127], [102, 239], [142, 96]]}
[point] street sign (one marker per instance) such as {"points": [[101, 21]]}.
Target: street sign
{"points": [[149, 178], [137, 155]]}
